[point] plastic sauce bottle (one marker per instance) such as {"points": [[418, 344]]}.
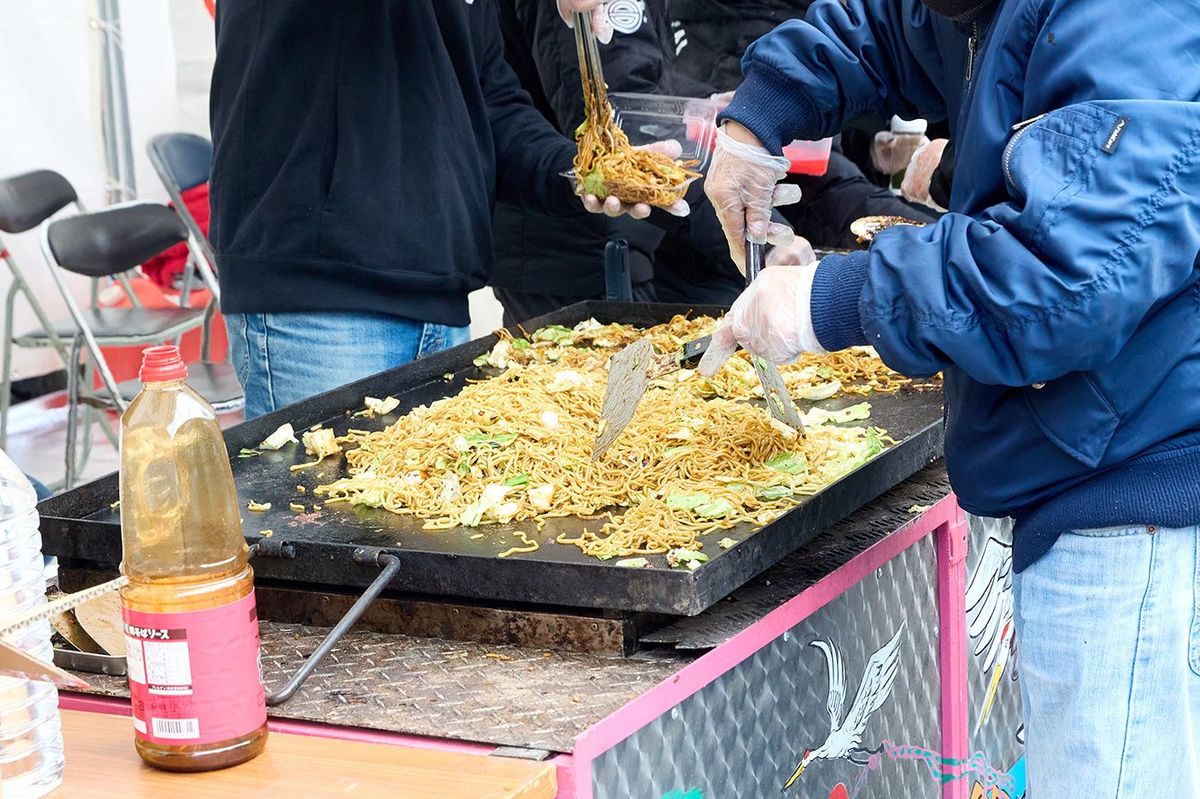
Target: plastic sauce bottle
{"points": [[191, 627]]}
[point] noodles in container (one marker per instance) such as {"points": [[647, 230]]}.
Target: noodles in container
{"points": [[618, 145]]}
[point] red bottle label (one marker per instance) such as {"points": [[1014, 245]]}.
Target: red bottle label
{"points": [[194, 677]]}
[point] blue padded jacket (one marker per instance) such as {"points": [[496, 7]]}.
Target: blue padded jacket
{"points": [[1061, 295]]}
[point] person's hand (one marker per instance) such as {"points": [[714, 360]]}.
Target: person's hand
{"points": [[891, 152], [772, 319], [611, 206], [798, 252], [722, 99], [600, 24], [741, 183], [919, 175]]}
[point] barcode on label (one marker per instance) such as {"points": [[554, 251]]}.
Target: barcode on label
{"points": [[175, 728]]}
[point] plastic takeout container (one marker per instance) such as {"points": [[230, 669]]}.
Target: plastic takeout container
{"points": [[652, 118], [804, 157]]}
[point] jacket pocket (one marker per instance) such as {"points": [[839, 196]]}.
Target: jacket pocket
{"points": [[1075, 415], [1047, 161]]}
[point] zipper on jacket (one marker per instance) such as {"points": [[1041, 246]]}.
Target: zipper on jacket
{"points": [[972, 46], [1021, 129]]}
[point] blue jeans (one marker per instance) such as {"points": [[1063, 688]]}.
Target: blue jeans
{"points": [[282, 358], [1108, 647]]}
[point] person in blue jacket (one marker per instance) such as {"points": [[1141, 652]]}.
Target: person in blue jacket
{"points": [[1060, 297]]}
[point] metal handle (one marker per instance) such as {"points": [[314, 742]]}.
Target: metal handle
{"points": [[618, 283], [755, 254], [391, 565]]}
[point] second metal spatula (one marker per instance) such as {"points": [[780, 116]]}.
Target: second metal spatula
{"points": [[779, 401]]}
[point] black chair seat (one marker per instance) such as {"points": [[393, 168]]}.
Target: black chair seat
{"points": [[216, 382], [28, 200], [108, 242], [116, 326]]}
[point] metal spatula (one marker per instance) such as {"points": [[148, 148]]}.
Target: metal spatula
{"points": [[630, 373], [779, 401]]}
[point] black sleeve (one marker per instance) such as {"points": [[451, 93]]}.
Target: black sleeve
{"points": [[632, 62], [943, 178], [530, 154]]}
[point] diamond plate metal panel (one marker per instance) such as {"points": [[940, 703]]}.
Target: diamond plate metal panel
{"points": [[994, 695], [741, 736], [424, 686]]}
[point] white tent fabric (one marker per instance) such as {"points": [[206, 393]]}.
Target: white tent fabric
{"points": [[50, 102]]}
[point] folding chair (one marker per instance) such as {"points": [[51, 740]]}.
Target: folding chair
{"points": [[184, 161], [108, 243]]}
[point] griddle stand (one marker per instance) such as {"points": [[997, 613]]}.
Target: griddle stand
{"points": [[363, 555]]}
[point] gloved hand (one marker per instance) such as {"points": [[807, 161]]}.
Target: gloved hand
{"points": [[798, 252], [600, 24], [742, 185], [772, 318], [891, 152], [611, 206], [722, 99], [919, 175]]}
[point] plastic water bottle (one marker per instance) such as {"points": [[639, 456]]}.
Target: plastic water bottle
{"points": [[31, 748], [190, 624]]}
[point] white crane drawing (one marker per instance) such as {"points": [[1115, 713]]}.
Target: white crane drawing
{"points": [[845, 735], [990, 615]]}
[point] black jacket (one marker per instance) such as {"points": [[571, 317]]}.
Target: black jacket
{"points": [[535, 254], [358, 153]]}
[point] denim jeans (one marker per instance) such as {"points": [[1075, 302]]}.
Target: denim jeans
{"points": [[1108, 641], [282, 358]]}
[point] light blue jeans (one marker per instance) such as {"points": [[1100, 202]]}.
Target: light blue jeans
{"points": [[282, 358], [1108, 647]]}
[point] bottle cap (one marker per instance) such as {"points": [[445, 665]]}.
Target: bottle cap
{"points": [[160, 364]]}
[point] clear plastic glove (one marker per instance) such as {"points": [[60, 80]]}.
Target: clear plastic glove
{"points": [[772, 318], [743, 185], [600, 24], [891, 152], [722, 99], [798, 252], [919, 174], [611, 206]]}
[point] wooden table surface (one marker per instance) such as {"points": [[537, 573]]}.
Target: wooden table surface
{"points": [[101, 763]]}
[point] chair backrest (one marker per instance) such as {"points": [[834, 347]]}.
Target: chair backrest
{"points": [[182, 160], [29, 199], [114, 240]]}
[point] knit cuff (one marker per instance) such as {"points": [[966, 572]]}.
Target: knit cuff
{"points": [[771, 108], [836, 290]]}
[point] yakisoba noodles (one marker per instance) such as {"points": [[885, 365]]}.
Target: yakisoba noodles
{"points": [[607, 164], [587, 346], [518, 447]]}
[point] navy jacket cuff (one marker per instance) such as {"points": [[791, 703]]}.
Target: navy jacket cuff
{"points": [[771, 108], [836, 290]]}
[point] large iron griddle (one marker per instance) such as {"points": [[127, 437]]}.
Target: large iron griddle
{"points": [[339, 546]]}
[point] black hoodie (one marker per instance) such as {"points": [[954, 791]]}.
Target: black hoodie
{"points": [[359, 148]]}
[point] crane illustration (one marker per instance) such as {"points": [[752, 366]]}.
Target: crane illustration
{"points": [[990, 615], [845, 734]]}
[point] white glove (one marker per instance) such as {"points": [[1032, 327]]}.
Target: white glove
{"points": [[772, 318], [611, 206], [742, 185], [798, 252], [600, 24], [891, 152], [919, 174]]}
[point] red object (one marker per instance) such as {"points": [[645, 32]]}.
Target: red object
{"points": [[165, 268], [839, 792], [193, 677], [160, 364]]}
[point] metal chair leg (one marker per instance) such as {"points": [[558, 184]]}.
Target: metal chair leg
{"points": [[72, 414], [6, 378]]}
